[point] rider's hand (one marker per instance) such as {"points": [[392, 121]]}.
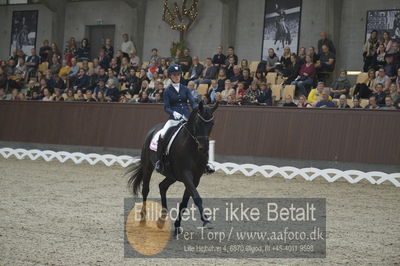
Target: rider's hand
{"points": [[177, 115]]}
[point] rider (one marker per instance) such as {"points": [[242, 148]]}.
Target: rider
{"points": [[176, 97]]}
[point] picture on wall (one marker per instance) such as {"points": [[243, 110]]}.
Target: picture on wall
{"points": [[281, 26], [24, 31], [384, 20]]}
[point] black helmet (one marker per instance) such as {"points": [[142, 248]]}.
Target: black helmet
{"points": [[174, 69]]}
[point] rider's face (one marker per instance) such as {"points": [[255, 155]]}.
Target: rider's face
{"points": [[176, 78]]}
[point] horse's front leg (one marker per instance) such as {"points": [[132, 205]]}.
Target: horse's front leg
{"points": [[182, 207], [164, 185], [191, 186]]}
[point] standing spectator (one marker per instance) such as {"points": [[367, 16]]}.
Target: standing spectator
{"points": [[306, 77], [219, 58], [372, 104], [44, 52], [327, 60], [340, 86], [186, 60], [343, 102], [84, 51], [369, 50], [325, 41], [108, 48], [127, 45]]}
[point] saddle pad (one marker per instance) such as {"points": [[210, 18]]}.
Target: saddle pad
{"points": [[154, 140]]}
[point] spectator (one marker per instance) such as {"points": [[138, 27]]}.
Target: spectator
{"points": [[21, 70], [101, 87], [252, 94], [270, 63], [89, 96], [127, 45], [316, 94], [302, 55], [104, 59], [134, 60], [192, 87], [265, 97], [285, 61], [244, 63], [46, 95], [246, 79], [229, 67], [388, 104], [70, 51], [158, 98], [293, 70], [112, 93], [73, 70], [221, 79], [325, 41], [100, 97], [154, 81], [124, 70], [364, 90], [379, 94], [325, 102], [356, 103], [386, 41], [382, 78], [163, 67], [144, 98], [45, 51], [340, 86], [219, 58], [231, 53], [289, 102], [343, 102], [114, 66], [59, 83], [102, 76], [108, 48], [79, 97], [118, 56], [50, 81], [313, 54], [303, 102], [186, 60], [327, 60], [132, 82], [260, 78], [209, 73], [380, 57], [112, 76], [240, 92], [231, 100], [176, 59], [213, 90], [32, 62], [154, 56], [58, 95], [306, 77], [228, 90], [55, 66], [390, 68], [369, 50], [398, 79], [55, 51], [143, 76], [82, 81], [70, 96], [84, 51], [394, 93], [372, 104]]}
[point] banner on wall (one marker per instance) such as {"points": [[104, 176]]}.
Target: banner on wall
{"points": [[383, 20], [281, 26], [24, 31]]}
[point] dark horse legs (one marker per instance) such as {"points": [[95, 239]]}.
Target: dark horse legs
{"points": [[164, 185]]}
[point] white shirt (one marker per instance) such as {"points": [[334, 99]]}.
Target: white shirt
{"points": [[176, 86], [127, 47]]}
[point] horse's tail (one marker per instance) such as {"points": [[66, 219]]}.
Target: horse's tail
{"points": [[136, 180]]}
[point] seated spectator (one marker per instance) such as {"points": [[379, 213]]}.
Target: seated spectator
{"points": [[73, 70], [313, 54], [45, 52], [316, 94], [364, 90], [112, 93], [104, 59], [79, 96], [50, 81], [269, 64], [379, 94], [302, 55], [101, 86], [340, 86], [158, 98], [325, 41], [228, 90], [192, 87], [213, 90], [209, 73], [143, 76], [380, 57], [326, 60], [82, 81], [89, 96], [176, 59], [163, 67], [306, 77], [100, 97], [35, 96], [325, 102], [240, 92], [152, 67], [343, 102], [154, 56], [382, 78], [219, 58], [93, 78], [55, 66], [244, 64], [221, 79], [252, 94], [231, 100], [59, 83], [70, 51], [303, 102], [54, 52], [185, 61], [102, 75], [388, 104], [114, 66], [398, 79], [259, 77], [64, 69], [289, 102], [108, 48], [134, 59], [21, 70], [196, 70], [356, 103], [154, 81], [229, 67], [83, 52], [32, 62], [390, 68], [246, 79], [369, 50], [112, 76], [70, 96], [124, 70], [132, 82], [47, 95], [372, 104], [285, 62], [394, 93], [58, 95], [386, 41], [231, 53], [144, 98], [265, 97], [292, 71]]}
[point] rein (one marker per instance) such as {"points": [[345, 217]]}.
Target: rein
{"points": [[196, 139]]}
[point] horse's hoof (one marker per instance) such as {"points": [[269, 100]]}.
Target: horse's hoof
{"points": [[177, 232], [208, 225], [160, 223]]}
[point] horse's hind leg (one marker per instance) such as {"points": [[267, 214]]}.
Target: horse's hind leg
{"points": [[145, 190], [164, 185]]}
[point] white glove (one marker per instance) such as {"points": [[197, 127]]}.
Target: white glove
{"points": [[177, 115]]}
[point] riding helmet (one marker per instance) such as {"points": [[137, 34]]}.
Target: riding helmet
{"points": [[174, 69]]}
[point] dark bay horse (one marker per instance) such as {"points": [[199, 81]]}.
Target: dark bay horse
{"points": [[188, 157]]}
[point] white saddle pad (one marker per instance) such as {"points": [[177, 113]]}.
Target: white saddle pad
{"points": [[154, 140]]}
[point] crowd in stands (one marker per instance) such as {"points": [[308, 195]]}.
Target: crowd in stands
{"points": [[119, 75]]}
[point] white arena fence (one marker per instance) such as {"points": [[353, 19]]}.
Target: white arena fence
{"points": [[268, 171]]}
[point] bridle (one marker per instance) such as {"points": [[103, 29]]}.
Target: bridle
{"points": [[194, 137]]}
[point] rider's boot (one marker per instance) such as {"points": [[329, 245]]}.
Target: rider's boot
{"points": [[159, 166]]}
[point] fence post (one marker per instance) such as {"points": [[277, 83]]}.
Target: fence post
{"points": [[211, 152]]}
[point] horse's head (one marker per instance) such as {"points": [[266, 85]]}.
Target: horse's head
{"points": [[202, 122]]}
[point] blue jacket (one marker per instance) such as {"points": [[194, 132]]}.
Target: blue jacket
{"points": [[178, 102]]}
